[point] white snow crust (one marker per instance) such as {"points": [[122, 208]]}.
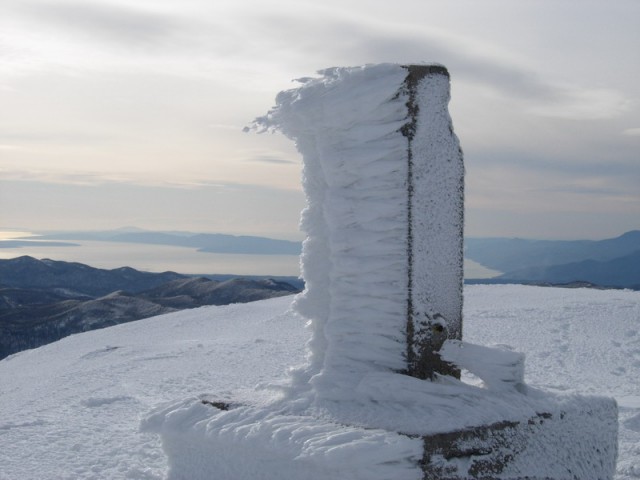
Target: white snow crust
{"points": [[259, 444], [346, 124], [71, 409]]}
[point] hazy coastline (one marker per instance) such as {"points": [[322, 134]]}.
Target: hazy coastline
{"points": [[160, 258]]}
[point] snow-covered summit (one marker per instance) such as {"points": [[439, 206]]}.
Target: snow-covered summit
{"points": [[71, 409]]}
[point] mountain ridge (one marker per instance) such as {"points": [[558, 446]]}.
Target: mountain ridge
{"points": [[621, 272], [44, 300], [203, 242], [28, 272], [610, 262]]}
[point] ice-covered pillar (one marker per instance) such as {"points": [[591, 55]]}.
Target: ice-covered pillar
{"points": [[435, 190], [383, 175]]}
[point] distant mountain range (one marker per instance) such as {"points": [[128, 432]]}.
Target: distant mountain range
{"points": [[204, 242], [76, 278], [44, 300], [612, 262]]}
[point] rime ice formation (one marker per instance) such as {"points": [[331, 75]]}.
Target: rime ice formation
{"points": [[380, 397], [383, 176], [354, 258]]}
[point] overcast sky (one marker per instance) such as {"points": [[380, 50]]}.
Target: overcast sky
{"points": [[118, 113]]}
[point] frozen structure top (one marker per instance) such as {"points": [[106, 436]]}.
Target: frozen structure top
{"points": [[381, 397], [383, 175]]}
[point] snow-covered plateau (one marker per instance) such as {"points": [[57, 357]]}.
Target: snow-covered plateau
{"points": [[72, 409]]}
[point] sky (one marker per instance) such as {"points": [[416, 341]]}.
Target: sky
{"points": [[117, 113]]}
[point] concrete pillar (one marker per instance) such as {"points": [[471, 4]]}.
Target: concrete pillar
{"points": [[435, 217]]}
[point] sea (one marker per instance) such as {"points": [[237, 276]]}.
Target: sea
{"points": [[162, 258]]}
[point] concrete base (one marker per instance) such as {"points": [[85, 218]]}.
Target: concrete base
{"points": [[203, 442], [577, 442], [550, 446]]}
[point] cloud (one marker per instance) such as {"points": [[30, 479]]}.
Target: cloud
{"points": [[225, 126], [525, 181], [146, 180], [116, 23], [231, 41], [346, 39], [63, 177], [530, 162], [589, 190], [581, 103], [272, 159], [22, 138], [236, 209], [632, 132]]}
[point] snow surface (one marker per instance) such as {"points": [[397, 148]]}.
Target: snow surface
{"points": [[72, 409]]}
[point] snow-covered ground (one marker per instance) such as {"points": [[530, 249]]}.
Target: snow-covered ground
{"points": [[72, 409]]}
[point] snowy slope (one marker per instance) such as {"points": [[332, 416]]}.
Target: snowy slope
{"points": [[72, 409]]}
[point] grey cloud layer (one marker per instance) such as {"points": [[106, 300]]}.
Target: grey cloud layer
{"points": [[317, 38], [119, 24]]}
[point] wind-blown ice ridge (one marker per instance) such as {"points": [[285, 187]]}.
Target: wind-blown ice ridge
{"points": [[355, 179]]}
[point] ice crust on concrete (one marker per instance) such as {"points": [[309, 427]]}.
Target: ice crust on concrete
{"points": [[270, 444], [500, 369], [438, 204]]}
